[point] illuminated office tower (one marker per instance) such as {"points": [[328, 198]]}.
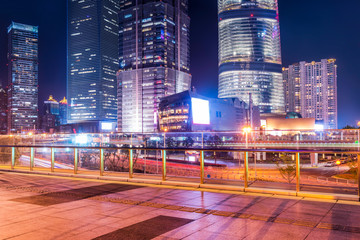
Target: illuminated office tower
{"points": [[23, 77], [250, 53], [291, 78], [63, 108], [312, 91], [92, 55], [3, 111], [154, 59]]}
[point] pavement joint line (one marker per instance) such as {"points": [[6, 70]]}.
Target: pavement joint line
{"points": [[318, 223]]}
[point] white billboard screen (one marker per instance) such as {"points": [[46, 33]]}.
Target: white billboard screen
{"points": [[200, 111]]}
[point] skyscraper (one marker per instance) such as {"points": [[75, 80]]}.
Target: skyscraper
{"points": [[154, 59], [50, 119], [311, 89], [3, 111], [23, 77], [63, 108], [92, 56], [250, 53]]}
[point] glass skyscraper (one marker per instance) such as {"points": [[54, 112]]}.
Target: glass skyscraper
{"points": [[250, 53], [154, 59], [23, 77], [92, 56]]}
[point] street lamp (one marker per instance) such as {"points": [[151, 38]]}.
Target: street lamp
{"points": [[338, 162], [247, 130]]}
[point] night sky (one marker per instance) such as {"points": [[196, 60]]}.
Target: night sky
{"points": [[310, 31]]}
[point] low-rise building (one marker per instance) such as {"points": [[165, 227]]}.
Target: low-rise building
{"points": [[190, 112]]}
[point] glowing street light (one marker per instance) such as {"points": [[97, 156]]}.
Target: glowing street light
{"points": [[247, 130]]}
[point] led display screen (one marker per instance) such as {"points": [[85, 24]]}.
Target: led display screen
{"points": [[200, 111], [106, 126]]}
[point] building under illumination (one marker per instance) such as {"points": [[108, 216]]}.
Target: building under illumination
{"points": [[3, 111], [250, 53], [191, 112], [154, 59], [92, 55], [63, 108], [311, 90], [23, 77]]}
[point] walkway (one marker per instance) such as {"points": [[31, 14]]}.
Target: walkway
{"points": [[46, 207]]}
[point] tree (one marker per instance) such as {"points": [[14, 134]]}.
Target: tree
{"points": [[170, 143], [350, 127], [287, 169], [188, 142], [353, 169], [214, 142]]}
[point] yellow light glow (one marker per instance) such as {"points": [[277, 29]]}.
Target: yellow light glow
{"points": [[247, 129]]}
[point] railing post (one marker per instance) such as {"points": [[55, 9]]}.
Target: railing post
{"points": [[31, 159], [297, 159], [358, 175], [163, 165], [202, 173], [12, 158], [76, 156], [101, 162], [246, 170], [52, 159], [131, 163]]}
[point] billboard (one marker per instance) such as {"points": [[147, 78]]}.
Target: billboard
{"points": [[200, 111]]}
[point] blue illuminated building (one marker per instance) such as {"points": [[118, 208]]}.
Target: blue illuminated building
{"points": [[23, 77], [92, 60], [250, 53]]}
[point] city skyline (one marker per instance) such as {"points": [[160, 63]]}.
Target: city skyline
{"points": [[206, 81]]}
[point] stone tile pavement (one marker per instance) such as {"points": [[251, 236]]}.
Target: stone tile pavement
{"points": [[44, 207]]}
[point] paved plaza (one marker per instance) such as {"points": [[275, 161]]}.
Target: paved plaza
{"points": [[48, 207]]}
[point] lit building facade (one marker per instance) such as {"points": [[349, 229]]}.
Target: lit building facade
{"points": [[50, 118], [154, 59], [311, 90], [250, 53], [63, 108], [3, 111], [51, 106], [92, 56], [22, 77], [191, 112]]}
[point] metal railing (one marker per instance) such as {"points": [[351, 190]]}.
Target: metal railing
{"points": [[164, 165]]}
